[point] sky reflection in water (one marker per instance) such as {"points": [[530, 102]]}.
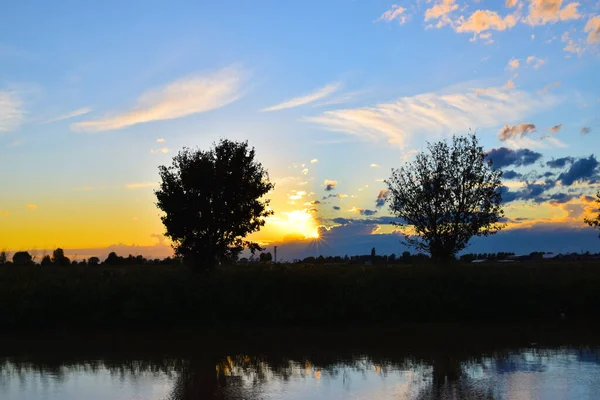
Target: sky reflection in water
{"points": [[566, 373]]}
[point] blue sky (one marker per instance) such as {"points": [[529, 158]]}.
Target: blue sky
{"points": [[94, 97]]}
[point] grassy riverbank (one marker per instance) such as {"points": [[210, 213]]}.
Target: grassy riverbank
{"points": [[164, 296]]}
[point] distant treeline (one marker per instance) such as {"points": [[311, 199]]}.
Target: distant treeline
{"points": [[59, 259]]}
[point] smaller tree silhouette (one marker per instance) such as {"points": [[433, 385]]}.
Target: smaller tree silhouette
{"points": [[93, 261], [3, 257], [22, 258], [113, 259], [46, 261], [595, 222], [58, 257], [447, 196]]}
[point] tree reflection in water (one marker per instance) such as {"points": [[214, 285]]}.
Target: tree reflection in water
{"points": [[432, 368]]}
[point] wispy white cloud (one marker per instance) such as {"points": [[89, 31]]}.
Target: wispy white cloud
{"points": [[314, 161], [309, 98], [434, 113], [396, 12], [140, 185], [535, 62], [72, 114], [181, 98], [11, 111], [160, 140]]}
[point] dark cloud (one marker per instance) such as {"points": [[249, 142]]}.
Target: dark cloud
{"points": [[560, 162], [504, 157], [511, 174], [363, 211], [584, 169], [341, 220], [561, 198], [556, 128], [339, 196], [585, 130], [531, 191], [516, 131], [507, 195], [330, 184], [336, 208], [315, 202], [382, 198], [384, 220]]}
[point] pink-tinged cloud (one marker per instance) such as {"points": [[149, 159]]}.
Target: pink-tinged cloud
{"points": [[483, 20], [513, 64], [516, 131], [556, 128], [593, 29], [187, 96], [543, 12]]}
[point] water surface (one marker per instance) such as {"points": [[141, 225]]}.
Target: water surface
{"points": [[424, 362]]}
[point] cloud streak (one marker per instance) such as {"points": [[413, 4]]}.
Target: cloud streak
{"points": [[309, 98], [187, 96], [72, 114], [434, 113], [140, 185], [11, 111]]}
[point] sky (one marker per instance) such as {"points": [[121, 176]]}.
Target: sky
{"points": [[332, 94]]}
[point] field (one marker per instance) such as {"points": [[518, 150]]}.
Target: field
{"points": [[295, 295]]}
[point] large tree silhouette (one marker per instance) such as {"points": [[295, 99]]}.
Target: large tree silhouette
{"points": [[447, 196], [212, 200]]}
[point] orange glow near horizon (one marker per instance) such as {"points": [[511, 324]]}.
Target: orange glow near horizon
{"points": [[295, 223]]}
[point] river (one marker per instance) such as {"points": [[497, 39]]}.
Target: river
{"points": [[434, 361]]}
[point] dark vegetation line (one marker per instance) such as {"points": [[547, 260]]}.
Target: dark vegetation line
{"points": [[294, 295]]}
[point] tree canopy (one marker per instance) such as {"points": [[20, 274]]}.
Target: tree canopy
{"points": [[212, 200], [446, 196]]}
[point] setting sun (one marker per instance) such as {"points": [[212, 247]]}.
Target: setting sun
{"points": [[297, 223]]}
